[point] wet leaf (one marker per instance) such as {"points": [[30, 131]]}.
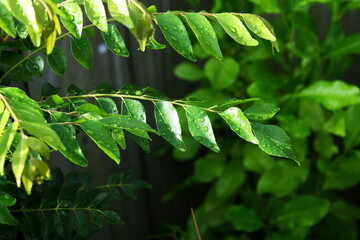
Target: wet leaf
{"points": [[96, 13], [114, 41], [256, 25], [72, 18], [82, 51], [57, 61]]}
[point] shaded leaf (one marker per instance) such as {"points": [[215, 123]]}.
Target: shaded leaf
{"points": [[243, 218], [168, 124], [200, 127], [114, 41], [209, 168], [5, 143], [303, 210], [273, 140], [204, 33], [188, 72], [222, 74], [101, 136], [57, 61], [108, 105], [261, 111], [175, 33], [72, 149], [82, 51]]}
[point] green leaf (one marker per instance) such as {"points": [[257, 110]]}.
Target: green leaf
{"points": [[352, 117], [243, 218], [36, 65], [209, 168], [61, 220], [256, 160], [282, 178], [82, 51], [188, 72], [99, 133], [126, 122], [119, 10], [111, 217], [236, 29], [119, 136], [103, 87], [54, 101], [257, 25], [261, 111], [175, 33], [204, 33], [72, 149], [90, 110], [345, 174], [57, 61], [6, 217], [349, 45], [222, 74], [18, 160], [143, 29], [7, 21], [273, 140], [5, 144], [4, 115], [114, 41], [168, 124], [96, 13], [72, 18], [80, 222], [332, 95], [239, 124], [200, 127], [6, 199], [231, 179], [136, 109], [233, 102], [303, 210], [269, 6], [38, 146], [108, 105], [25, 13], [155, 45]]}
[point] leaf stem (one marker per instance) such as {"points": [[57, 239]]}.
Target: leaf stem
{"points": [[55, 209], [12, 114]]}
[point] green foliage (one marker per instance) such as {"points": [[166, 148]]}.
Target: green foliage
{"points": [[302, 91], [35, 199]]}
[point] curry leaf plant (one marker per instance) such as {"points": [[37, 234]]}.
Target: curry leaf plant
{"points": [[30, 130]]}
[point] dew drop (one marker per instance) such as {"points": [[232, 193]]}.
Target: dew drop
{"points": [[199, 138], [36, 67], [201, 119], [90, 131], [175, 28], [206, 129]]}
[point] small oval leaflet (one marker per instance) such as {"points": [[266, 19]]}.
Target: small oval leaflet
{"points": [[204, 33], [200, 127], [175, 33], [236, 29], [114, 41]]}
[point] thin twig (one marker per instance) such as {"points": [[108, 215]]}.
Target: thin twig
{"points": [[195, 224], [63, 3]]}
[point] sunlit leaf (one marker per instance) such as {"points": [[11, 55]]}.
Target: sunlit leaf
{"points": [[108, 105], [239, 124], [73, 18], [119, 10], [168, 124], [96, 13], [204, 33], [175, 33], [200, 127], [236, 29], [5, 143], [256, 25], [7, 21], [38, 146]]}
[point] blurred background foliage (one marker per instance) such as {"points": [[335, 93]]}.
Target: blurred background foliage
{"points": [[250, 195]]}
